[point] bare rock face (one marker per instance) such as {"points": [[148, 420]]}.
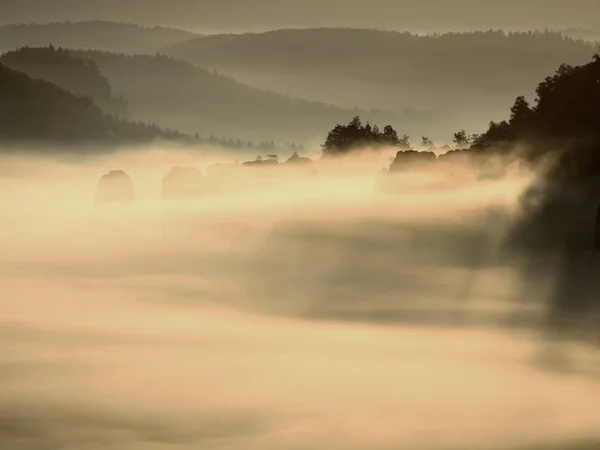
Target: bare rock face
{"points": [[115, 186], [182, 182]]}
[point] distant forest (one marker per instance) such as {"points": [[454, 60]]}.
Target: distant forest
{"points": [[256, 15], [459, 78], [489, 59], [39, 115], [36, 112], [564, 115], [310, 76], [60, 67], [176, 94], [99, 35]]}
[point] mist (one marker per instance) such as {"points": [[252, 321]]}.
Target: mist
{"points": [[338, 310]]}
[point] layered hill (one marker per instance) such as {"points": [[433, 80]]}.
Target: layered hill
{"points": [[77, 75], [99, 35], [456, 59], [464, 76], [256, 15], [36, 112], [176, 94]]}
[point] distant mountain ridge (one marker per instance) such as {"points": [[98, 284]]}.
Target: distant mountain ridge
{"points": [[465, 78], [388, 56], [98, 35], [255, 15]]}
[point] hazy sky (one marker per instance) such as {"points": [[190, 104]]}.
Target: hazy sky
{"points": [[239, 15]]}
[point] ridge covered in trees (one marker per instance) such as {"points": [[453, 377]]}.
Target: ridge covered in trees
{"points": [[93, 34], [483, 58], [72, 73], [174, 93], [455, 79], [39, 112]]}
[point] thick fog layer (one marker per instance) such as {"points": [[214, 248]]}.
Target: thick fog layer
{"points": [[309, 308]]}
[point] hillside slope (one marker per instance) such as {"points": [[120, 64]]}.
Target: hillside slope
{"points": [[463, 76], [37, 112], [99, 35], [176, 94], [57, 66]]}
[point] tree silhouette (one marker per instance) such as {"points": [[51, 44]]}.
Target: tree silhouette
{"points": [[347, 138], [404, 142], [461, 139], [426, 142], [565, 115]]}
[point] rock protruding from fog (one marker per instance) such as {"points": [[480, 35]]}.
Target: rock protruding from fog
{"points": [[411, 159], [298, 160], [183, 182], [115, 186]]}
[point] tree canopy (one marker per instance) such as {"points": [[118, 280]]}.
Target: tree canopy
{"points": [[81, 76], [347, 138], [565, 116]]}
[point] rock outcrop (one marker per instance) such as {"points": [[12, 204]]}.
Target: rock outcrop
{"points": [[411, 159], [182, 182], [115, 186]]}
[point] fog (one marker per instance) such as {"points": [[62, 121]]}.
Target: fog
{"points": [[310, 310]]}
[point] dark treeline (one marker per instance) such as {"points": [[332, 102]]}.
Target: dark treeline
{"points": [[36, 112], [99, 35], [77, 75], [564, 119], [175, 94], [563, 124]]}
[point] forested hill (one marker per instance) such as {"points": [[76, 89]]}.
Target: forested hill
{"points": [[466, 79], [38, 112], [100, 35], [176, 94], [58, 66], [490, 59]]}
